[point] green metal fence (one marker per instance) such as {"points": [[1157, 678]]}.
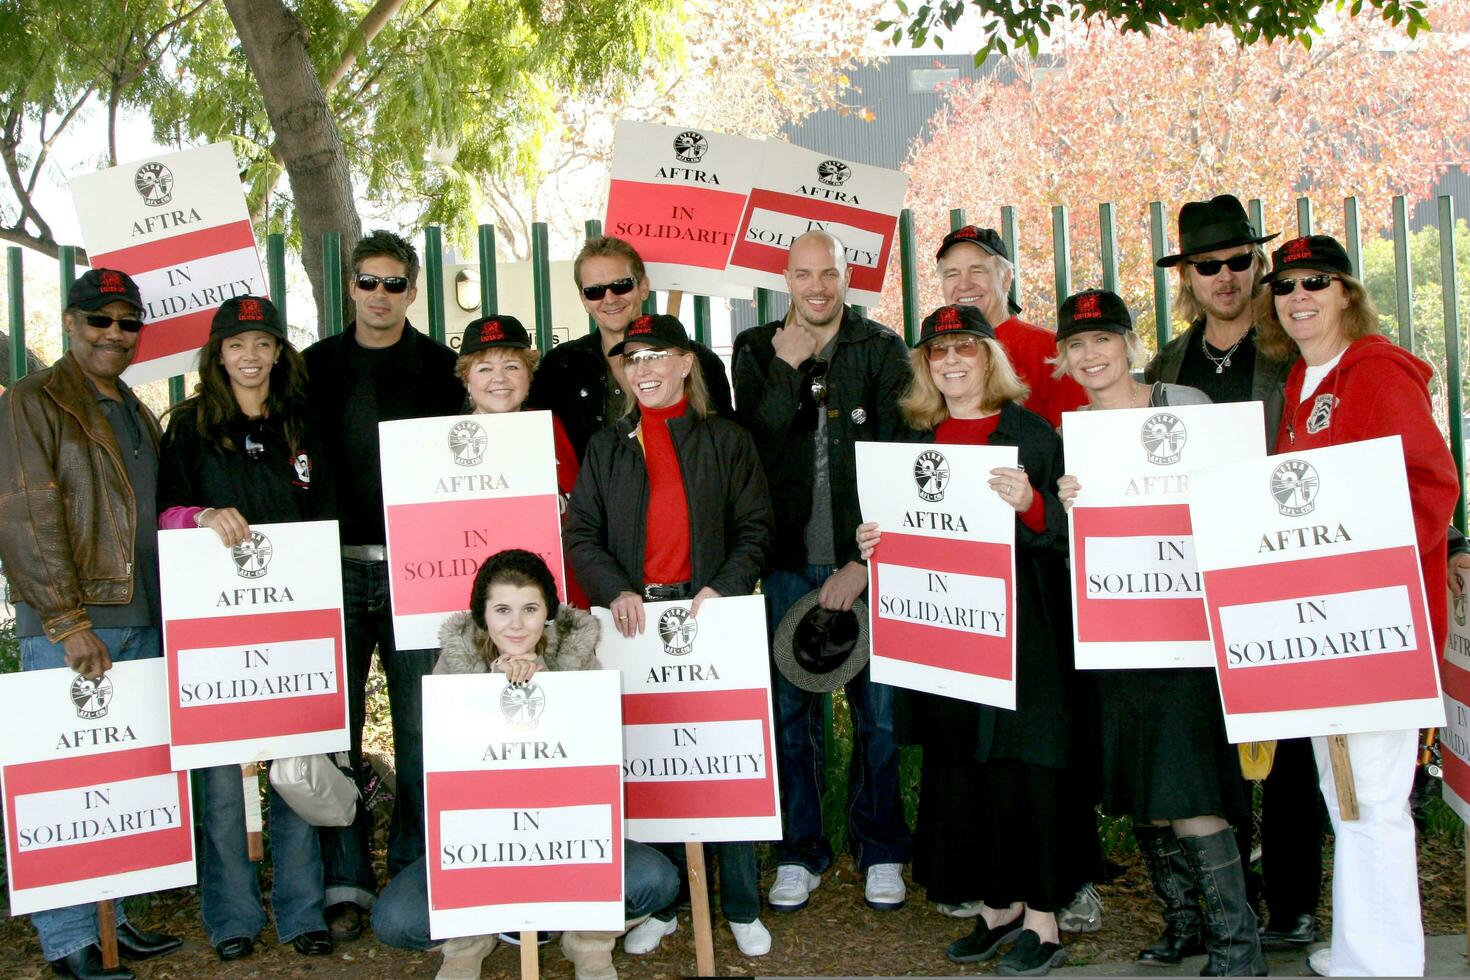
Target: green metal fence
{"points": [[909, 265]]}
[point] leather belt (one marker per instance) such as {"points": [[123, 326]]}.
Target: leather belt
{"points": [[365, 552], [658, 592]]}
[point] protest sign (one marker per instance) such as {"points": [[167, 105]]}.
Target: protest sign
{"points": [[676, 196], [457, 489], [942, 616], [523, 796], [1137, 597], [698, 763], [1454, 738], [177, 223], [798, 190], [253, 639], [1315, 593], [92, 810]]}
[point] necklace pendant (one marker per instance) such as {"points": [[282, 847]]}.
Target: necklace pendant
{"points": [[1220, 368]]}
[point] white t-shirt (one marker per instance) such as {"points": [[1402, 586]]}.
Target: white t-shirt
{"points": [[1314, 375]]}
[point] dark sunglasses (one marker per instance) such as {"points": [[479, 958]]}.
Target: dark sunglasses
{"points": [[102, 321], [1211, 267], [1312, 284], [816, 379], [619, 287], [394, 284], [255, 442]]}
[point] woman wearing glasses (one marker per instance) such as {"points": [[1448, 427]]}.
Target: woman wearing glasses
{"points": [[239, 451], [671, 504], [1350, 384], [993, 807]]}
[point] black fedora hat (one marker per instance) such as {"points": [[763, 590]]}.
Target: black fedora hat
{"points": [[1204, 226], [820, 649]]}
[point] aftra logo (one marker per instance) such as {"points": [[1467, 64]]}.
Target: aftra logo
{"points": [[931, 475], [1296, 250], [90, 697], [155, 184], [1087, 308], [522, 704], [1294, 484], [833, 173], [467, 442], [252, 555], [690, 147], [677, 629], [1163, 438]]}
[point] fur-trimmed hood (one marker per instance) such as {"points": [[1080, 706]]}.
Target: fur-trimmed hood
{"points": [[571, 643]]}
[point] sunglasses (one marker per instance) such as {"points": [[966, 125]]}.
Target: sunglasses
{"points": [[394, 284], [102, 321], [964, 347], [816, 380], [646, 356], [1312, 284], [619, 287], [1211, 267]]}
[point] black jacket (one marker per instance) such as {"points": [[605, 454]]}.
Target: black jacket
{"points": [[571, 382], [1268, 379], [868, 374], [730, 522]]}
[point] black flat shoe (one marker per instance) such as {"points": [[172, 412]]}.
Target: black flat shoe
{"points": [[86, 964], [983, 942], [318, 942], [1303, 932], [136, 944], [344, 921], [235, 948], [1031, 957]]}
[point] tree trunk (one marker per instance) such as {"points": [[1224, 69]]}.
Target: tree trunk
{"points": [[275, 48], [33, 363]]}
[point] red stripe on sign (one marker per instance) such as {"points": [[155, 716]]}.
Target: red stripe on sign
{"points": [[94, 859], [1456, 774], [674, 223], [677, 707], [939, 646], [173, 336], [1132, 620], [771, 257], [1299, 685], [209, 723], [1456, 681], [147, 256], [458, 888]]}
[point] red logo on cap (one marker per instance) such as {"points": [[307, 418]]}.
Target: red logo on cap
{"points": [[111, 282], [491, 331], [1296, 250], [250, 309], [969, 231], [1087, 307], [949, 319], [644, 324]]}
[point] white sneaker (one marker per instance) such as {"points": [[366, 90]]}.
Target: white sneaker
{"points": [[792, 888], [752, 938], [646, 935], [1085, 912], [965, 910], [1320, 961], [885, 888]]}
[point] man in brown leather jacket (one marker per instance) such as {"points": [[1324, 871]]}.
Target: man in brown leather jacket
{"points": [[78, 536]]}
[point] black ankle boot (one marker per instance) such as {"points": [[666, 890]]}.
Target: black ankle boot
{"points": [[1232, 935], [1174, 885], [86, 964]]}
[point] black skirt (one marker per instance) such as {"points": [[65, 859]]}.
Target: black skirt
{"points": [[1164, 753]]}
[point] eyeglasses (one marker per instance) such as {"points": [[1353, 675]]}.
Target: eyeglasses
{"points": [[816, 379], [102, 321], [964, 346], [646, 356], [394, 284], [1312, 284], [619, 287], [255, 442], [1211, 267]]}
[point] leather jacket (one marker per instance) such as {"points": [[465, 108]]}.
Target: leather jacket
{"points": [[67, 511]]}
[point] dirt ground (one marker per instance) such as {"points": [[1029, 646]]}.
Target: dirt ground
{"points": [[836, 935]]}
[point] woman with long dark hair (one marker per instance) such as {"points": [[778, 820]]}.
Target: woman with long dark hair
{"points": [[240, 450]]}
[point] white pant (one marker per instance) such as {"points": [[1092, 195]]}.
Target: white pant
{"points": [[1376, 927]]}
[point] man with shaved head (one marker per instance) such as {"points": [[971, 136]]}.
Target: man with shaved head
{"points": [[808, 387]]}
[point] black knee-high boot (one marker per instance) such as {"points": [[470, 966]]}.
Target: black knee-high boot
{"points": [[1232, 935], [1174, 884]]}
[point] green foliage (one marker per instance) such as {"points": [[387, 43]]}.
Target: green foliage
{"points": [[9, 647], [1009, 25]]}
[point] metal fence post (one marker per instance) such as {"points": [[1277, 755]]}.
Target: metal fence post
{"points": [[593, 229], [541, 284], [1061, 252], [275, 271], [1450, 289], [1108, 233], [331, 283], [66, 267], [489, 288], [15, 273], [1008, 235], [1258, 215], [956, 219], [434, 272], [1159, 235], [909, 276], [701, 319], [1303, 216], [765, 305], [1353, 228], [1403, 278]]}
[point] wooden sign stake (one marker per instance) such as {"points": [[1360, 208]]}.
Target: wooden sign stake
{"points": [[704, 940], [530, 962], [1342, 776], [676, 300], [107, 933], [250, 786]]}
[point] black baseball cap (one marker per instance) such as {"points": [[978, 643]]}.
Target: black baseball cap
{"points": [[955, 319], [1204, 226], [241, 313], [987, 238], [1093, 309], [655, 330], [493, 331], [1321, 252], [98, 287]]}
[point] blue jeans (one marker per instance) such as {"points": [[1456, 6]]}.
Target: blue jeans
{"points": [[401, 915], [739, 896], [65, 930], [229, 888], [876, 831], [346, 856]]}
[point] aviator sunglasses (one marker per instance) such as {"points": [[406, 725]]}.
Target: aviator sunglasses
{"points": [[1211, 267], [1312, 284], [619, 287], [394, 284], [964, 347], [102, 321]]}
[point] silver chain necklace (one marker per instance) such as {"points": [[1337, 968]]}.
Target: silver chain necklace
{"points": [[1221, 363]]}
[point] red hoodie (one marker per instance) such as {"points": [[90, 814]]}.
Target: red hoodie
{"points": [[1379, 389]]}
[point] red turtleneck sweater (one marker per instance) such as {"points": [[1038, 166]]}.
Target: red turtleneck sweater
{"points": [[666, 547]]}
